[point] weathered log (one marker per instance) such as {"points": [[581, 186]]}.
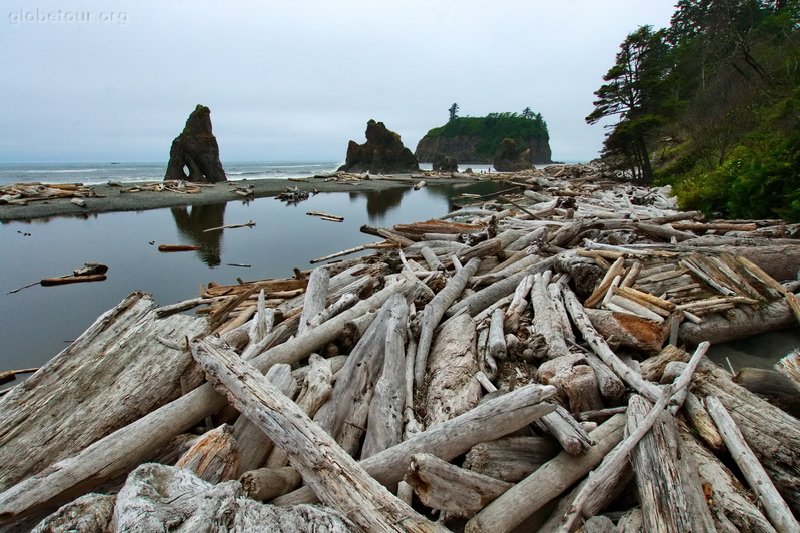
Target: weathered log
{"points": [[385, 420], [608, 470], [738, 323], [177, 247], [348, 407], [652, 368], [789, 366], [254, 446], [547, 322], [432, 259], [599, 346], [497, 338], [701, 422], [315, 298], [214, 457], [52, 282], [266, 484], [774, 505], [629, 331], [611, 387], [731, 506], [566, 430], [488, 421], [115, 372], [547, 482], [452, 388], [449, 488], [164, 498], [581, 389], [434, 312], [518, 304], [336, 478], [510, 459], [120, 451], [91, 513], [669, 489], [777, 448]]}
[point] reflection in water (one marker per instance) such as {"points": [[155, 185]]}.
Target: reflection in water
{"points": [[380, 202], [191, 221]]}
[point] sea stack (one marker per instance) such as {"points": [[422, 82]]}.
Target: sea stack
{"points": [[196, 149], [382, 153]]}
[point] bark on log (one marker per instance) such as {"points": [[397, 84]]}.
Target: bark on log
{"points": [[164, 498], [120, 451], [629, 331], [335, 477], [385, 420], [778, 447], [775, 507], [449, 488], [669, 489], [114, 373], [490, 420], [434, 312], [214, 457], [547, 482], [510, 459], [729, 502]]}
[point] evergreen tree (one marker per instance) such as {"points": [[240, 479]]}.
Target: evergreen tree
{"points": [[527, 113], [453, 111]]}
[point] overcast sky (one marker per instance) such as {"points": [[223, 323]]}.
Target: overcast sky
{"points": [[289, 80]]}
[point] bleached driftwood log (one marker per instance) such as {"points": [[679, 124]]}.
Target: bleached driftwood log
{"points": [[335, 477], [315, 298], [731, 505], [566, 430], [164, 498], [497, 337], [120, 451], [738, 323], [452, 386], [490, 420], [669, 489], [546, 483], [777, 448], [214, 457], [510, 459], [114, 373], [434, 312], [254, 446], [774, 506], [546, 320], [385, 419], [449, 488], [91, 513], [266, 484], [347, 410]]}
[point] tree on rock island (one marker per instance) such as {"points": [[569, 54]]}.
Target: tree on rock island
{"points": [[453, 111]]}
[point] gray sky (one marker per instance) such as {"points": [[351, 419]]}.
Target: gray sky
{"points": [[115, 81]]}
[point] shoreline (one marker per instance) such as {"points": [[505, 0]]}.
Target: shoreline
{"points": [[111, 199]]}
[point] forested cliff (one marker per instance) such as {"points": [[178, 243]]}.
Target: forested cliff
{"points": [[711, 105]]}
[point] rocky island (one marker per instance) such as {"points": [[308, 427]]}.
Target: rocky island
{"points": [[196, 149], [383, 152], [477, 139]]}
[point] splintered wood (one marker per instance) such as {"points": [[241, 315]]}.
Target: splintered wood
{"points": [[517, 364]]}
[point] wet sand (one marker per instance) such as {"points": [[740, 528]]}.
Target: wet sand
{"points": [[110, 198]]}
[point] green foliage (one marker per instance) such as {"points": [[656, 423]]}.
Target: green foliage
{"points": [[493, 128], [714, 101], [453, 111]]}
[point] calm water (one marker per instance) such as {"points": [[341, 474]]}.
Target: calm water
{"points": [[36, 323]]}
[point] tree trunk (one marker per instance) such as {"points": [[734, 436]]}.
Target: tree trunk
{"points": [[266, 484], [738, 323], [214, 457], [510, 459]]}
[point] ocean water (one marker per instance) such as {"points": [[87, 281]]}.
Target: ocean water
{"points": [[97, 173], [36, 323]]}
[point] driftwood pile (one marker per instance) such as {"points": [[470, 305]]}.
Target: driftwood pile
{"points": [[532, 362], [24, 193], [177, 186]]}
